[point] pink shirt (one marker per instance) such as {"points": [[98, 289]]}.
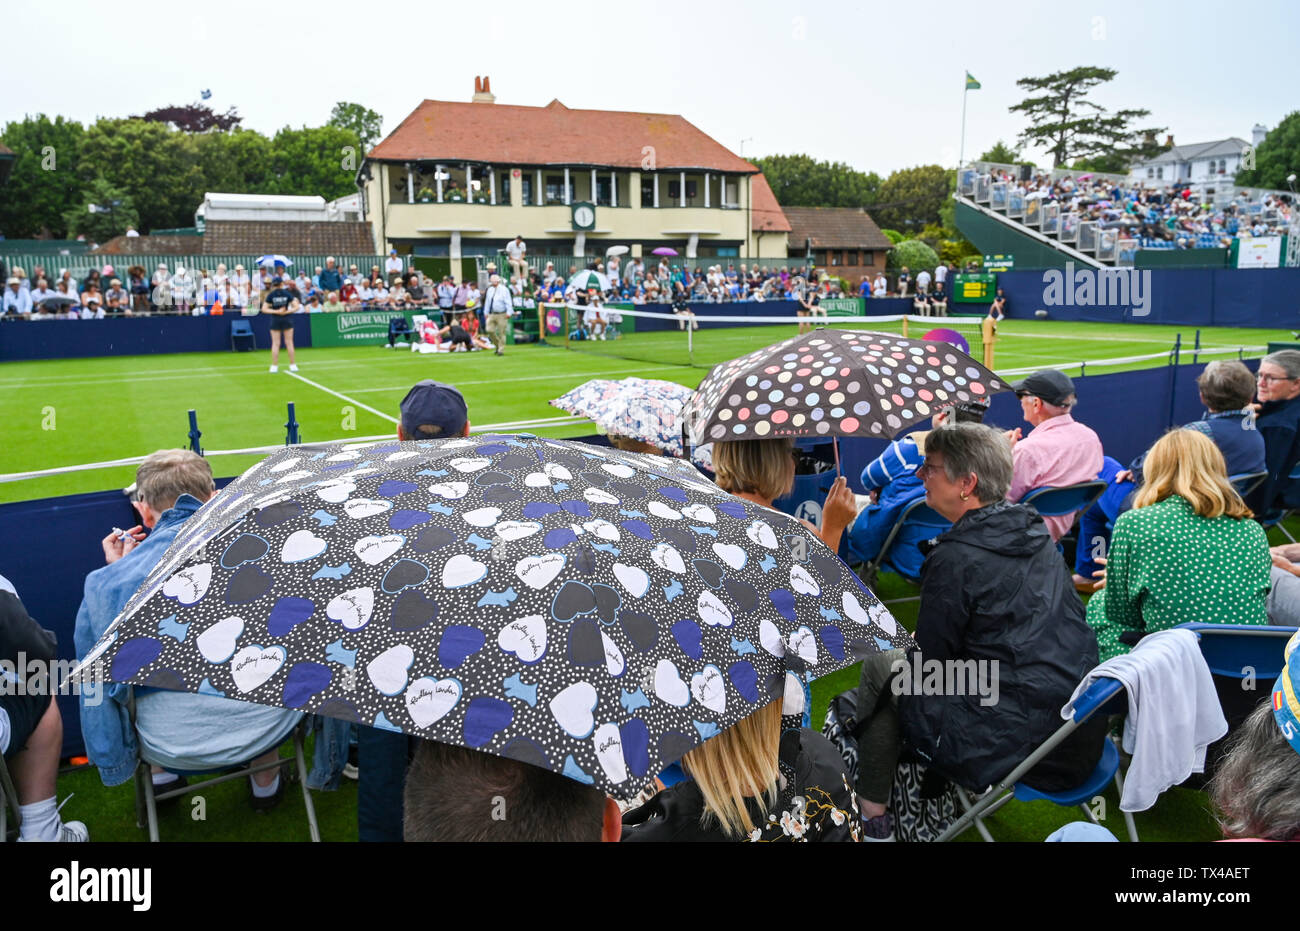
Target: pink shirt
{"points": [[1059, 451]]}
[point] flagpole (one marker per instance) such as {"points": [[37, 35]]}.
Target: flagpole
{"points": [[962, 152]]}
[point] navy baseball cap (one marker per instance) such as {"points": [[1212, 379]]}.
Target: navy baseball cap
{"points": [[277, 280], [433, 410], [1052, 385]]}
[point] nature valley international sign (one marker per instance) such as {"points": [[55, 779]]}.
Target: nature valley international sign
{"points": [[350, 329]]}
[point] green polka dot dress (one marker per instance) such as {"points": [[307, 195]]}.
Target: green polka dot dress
{"points": [[1167, 566]]}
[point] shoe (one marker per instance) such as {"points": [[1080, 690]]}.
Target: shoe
{"points": [[70, 832], [878, 830], [293, 368], [274, 369], [180, 782], [500, 353], [350, 771], [263, 805], [388, 345]]}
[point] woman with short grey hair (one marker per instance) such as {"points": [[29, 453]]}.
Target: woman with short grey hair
{"points": [[1256, 789], [995, 595], [1278, 389]]}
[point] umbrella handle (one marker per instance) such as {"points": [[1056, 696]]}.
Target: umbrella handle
{"points": [[835, 441]]}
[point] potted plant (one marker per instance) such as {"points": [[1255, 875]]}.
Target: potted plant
{"points": [[425, 196]]}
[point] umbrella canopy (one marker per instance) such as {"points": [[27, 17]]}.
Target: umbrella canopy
{"points": [[617, 250], [834, 383], [645, 409], [274, 260], [55, 299], [589, 279], [663, 250], [593, 612]]}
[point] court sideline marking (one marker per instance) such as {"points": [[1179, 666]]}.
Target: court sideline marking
{"points": [[366, 407]]}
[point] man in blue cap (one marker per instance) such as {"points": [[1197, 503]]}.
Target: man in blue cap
{"points": [[431, 410]]}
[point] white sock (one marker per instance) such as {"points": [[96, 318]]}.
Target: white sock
{"points": [[162, 779], [265, 791], [40, 820]]}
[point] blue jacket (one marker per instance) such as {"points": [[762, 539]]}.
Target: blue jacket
{"points": [[893, 474], [1279, 424], [106, 727]]}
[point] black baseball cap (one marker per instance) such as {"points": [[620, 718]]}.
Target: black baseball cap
{"points": [[1051, 385], [433, 410]]}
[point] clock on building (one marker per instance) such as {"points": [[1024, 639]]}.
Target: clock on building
{"points": [[584, 216]]}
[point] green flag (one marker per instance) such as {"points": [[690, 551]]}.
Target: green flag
{"points": [[971, 83]]}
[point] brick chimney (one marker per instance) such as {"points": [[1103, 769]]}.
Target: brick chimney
{"points": [[1169, 141], [483, 90]]}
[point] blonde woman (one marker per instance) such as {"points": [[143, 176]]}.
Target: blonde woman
{"points": [[1187, 551], [736, 789], [763, 470]]}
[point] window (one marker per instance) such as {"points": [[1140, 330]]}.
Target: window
{"points": [[527, 190], [555, 189], [602, 191], [1160, 172], [850, 256], [675, 190], [647, 191], [1151, 172], [503, 188], [868, 258]]}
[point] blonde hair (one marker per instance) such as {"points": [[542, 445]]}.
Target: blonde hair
{"points": [[1188, 464], [738, 764], [169, 473], [760, 467]]}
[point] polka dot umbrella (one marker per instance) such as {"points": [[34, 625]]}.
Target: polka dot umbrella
{"points": [[591, 611], [834, 383]]}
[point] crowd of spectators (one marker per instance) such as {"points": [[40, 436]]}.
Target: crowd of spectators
{"points": [[1169, 213]]}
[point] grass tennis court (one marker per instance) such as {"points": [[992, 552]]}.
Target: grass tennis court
{"points": [[62, 413]]}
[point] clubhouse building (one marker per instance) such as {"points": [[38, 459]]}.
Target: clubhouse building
{"points": [[459, 179]]}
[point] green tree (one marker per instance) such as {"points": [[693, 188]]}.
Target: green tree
{"points": [[1070, 126], [314, 161], [802, 181], [159, 168], [894, 236], [913, 253], [1277, 156], [43, 186], [106, 211], [239, 160], [1002, 154], [365, 124], [912, 197]]}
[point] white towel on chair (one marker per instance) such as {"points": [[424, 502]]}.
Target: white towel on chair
{"points": [[1173, 713]]}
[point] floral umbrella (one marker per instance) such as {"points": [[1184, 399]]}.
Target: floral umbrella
{"points": [[593, 612], [645, 409]]}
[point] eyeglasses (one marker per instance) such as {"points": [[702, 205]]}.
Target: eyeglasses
{"points": [[1272, 378]]}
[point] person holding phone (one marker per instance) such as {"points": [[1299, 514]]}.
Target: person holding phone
{"points": [[279, 303]]}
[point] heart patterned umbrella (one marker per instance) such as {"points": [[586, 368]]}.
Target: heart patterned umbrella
{"points": [[834, 383], [594, 612], [645, 409]]}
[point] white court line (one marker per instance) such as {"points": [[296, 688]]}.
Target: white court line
{"points": [[366, 407], [52, 380], [554, 376]]}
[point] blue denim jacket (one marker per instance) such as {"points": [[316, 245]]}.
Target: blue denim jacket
{"points": [[106, 727]]}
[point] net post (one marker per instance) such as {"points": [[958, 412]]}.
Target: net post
{"points": [[194, 434], [989, 336], [541, 322], [904, 326], [690, 340], [291, 429]]}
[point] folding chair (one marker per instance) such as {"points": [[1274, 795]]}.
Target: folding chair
{"points": [[1103, 696], [916, 514], [147, 797], [240, 330], [1237, 654], [1066, 499], [1247, 482], [397, 326], [8, 797], [1275, 519]]}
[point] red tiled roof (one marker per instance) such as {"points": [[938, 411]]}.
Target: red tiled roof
{"points": [[766, 215], [500, 134], [835, 228]]}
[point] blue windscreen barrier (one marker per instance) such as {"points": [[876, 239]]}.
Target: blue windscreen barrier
{"points": [[1257, 297], [131, 336]]}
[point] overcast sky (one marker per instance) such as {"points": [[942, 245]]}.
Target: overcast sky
{"points": [[876, 85]]}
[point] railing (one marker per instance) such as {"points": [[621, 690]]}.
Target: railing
{"points": [[1015, 203], [1051, 218], [1033, 211], [1087, 235], [79, 265], [1126, 252], [1107, 245], [982, 185], [998, 195], [1069, 228]]}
